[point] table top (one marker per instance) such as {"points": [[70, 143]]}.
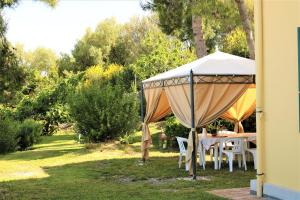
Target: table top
{"points": [[211, 140]]}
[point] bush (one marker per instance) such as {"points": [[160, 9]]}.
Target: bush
{"points": [[173, 128], [29, 133], [49, 105], [8, 135], [6, 113], [250, 123], [104, 111]]}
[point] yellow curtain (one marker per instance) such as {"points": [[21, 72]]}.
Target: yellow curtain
{"points": [[211, 101], [157, 106], [242, 109]]}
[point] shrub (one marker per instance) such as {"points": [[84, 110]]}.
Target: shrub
{"points": [[104, 111], [8, 135], [6, 112], [29, 133], [173, 128], [57, 114], [49, 105], [219, 124], [127, 139], [250, 123]]}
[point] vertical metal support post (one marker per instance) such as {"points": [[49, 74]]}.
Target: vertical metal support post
{"points": [[142, 105], [193, 124]]}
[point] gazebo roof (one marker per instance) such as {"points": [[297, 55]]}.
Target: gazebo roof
{"points": [[217, 63]]}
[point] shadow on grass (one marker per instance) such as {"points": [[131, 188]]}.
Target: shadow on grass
{"points": [[43, 154], [57, 138], [124, 179]]}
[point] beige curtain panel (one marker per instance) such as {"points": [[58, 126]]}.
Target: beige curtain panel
{"points": [[211, 101], [242, 109], [157, 107]]}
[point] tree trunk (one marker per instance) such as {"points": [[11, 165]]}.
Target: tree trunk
{"points": [[201, 49], [247, 26]]}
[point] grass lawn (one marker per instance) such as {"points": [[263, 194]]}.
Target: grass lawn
{"points": [[60, 168]]}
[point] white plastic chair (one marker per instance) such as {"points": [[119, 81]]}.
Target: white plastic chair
{"points": [[202, 155], [253, 152], [238, 148], [182, 148]]}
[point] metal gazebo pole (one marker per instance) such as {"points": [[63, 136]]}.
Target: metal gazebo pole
{"points": [[193, 124], [142, 105], [142, 108]]}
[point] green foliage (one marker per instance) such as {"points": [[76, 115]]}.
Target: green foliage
{"points": [[173, 128], [8, 135], [101, 107], [6, 112], [219, 18], [219, 124], [127, 139], [236, 43], [58, 113], [49, 105], [86, 56], [94, 48], [41, 69], [10, 3], [66, 63], [12, 76], [128, 46], [163, 53], [29, 133], [7, 3], [249, 124], [51, 3]]}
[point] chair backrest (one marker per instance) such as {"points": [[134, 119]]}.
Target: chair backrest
{"points": [[237, 144], [181, 141]]}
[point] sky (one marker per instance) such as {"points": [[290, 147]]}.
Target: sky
{"points": [[35, 24]]}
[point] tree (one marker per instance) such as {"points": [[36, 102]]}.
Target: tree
{"points": [[176, 17], [247, 26], [163, 53], [100, 105], [94, 48], [128, 47], [43, 60], [66, 63], [12, 75], [236, 43], [86, 55], [198, 22]]}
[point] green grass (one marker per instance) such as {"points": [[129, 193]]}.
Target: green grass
{"points": [[60, 168]]}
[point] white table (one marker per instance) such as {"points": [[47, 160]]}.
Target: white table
{"points": [[209, 140]]}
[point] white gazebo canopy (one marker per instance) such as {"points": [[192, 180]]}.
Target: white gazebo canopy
{"points": [[217, 63]]}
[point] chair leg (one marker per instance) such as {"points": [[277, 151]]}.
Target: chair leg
{"points": [[187, 166], [203, 158], [230, 159], [180, 160], [244, 160], [200, 156], [239, 160], [211, 154]]}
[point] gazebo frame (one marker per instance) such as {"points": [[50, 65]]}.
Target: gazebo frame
{"points": [[191, 80]]}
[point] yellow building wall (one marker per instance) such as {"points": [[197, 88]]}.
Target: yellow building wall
{"points": [[280, 84]]}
